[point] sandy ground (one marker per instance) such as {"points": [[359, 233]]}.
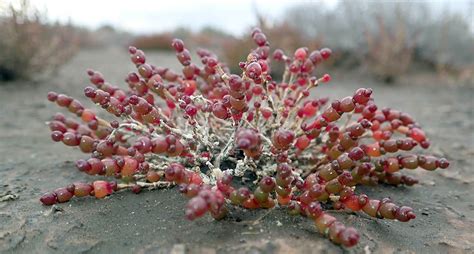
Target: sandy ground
{"points": [[153, 222]]}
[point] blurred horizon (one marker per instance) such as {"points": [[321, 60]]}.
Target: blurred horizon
{"points": [[385, 39], [233, 17]]}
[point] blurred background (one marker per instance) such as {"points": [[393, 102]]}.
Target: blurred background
{"points": [[422, 41], [418, 56]]}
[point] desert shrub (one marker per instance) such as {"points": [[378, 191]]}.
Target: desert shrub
{"points": [[379, 36], [447, 44], [243, 141], [387, 37], [389, 54], [29, 45], [207, 37], [154, 41]]}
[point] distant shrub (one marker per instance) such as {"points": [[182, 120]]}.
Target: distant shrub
{"points": [[447, 44], [30, 46], [387, 37], [207, 37], [154, 41], [389, 54]]}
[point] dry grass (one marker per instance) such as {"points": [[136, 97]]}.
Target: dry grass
{"points": [[389, 51], [30, 46], [387, 38]]}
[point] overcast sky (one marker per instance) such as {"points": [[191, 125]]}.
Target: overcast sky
{"points": [[145, 16]]}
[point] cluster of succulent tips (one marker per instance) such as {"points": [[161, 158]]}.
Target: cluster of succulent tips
{"points": [[242, 141]]}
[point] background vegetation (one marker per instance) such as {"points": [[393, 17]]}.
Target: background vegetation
{"points": [[384, 40]]}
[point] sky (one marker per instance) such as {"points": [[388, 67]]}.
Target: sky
{"points": [[148, 16]]}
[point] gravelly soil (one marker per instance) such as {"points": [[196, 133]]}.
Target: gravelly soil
{"points": [[153, 222]]}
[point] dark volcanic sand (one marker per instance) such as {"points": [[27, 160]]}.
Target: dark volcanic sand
{"points": [[153, 222]]}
